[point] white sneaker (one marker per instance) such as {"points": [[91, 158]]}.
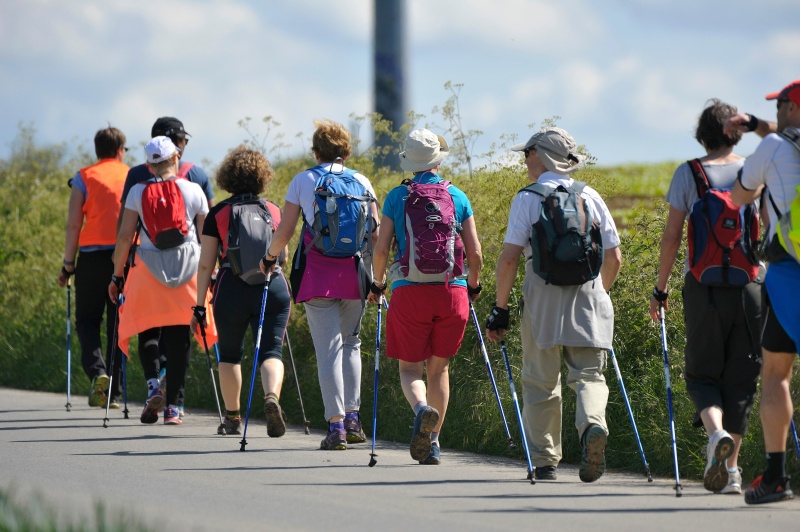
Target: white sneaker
{"points": [[734, 485], [719, 449]]}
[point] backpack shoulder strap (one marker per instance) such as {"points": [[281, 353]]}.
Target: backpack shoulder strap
{"points": [[700, 177], [538, 189], [578, 187], [792, 135], [183, 170]]}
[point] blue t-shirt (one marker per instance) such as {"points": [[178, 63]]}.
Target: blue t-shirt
{"points": [[139, 174], [394, 208]]}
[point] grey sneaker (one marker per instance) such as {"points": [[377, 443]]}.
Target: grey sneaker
{"points": [[734, 485], [719, 449], [593, 460], [547, 472]]}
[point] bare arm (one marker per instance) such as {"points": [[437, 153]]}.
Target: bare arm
{"points": [[506, 274], [612, 261], [74, 225], [469, 235], [741, 196], [127, 228], [285, 231], [205, 266], [670, 244], [380, 254], [738, 122]]}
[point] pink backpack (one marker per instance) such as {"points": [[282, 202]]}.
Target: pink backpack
{"points": [[434, 252]]}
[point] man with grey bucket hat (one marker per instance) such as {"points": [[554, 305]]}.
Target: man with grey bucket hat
{"points": [[559, 313]]}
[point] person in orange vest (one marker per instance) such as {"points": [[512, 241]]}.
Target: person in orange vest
{"points": [[91, 223]]}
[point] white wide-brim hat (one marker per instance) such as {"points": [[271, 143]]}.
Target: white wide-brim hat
{"points": [[423, 150]]}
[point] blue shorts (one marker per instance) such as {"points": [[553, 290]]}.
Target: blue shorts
{"points": [[783, 286]]}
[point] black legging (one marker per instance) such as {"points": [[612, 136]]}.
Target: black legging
{"points": [[175, 342], [92, 274]]}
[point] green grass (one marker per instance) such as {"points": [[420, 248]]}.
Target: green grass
{"points": [[32, 311]]}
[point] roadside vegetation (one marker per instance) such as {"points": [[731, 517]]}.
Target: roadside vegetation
{"points": [[33, 209]]}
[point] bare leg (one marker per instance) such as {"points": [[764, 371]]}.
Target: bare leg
{"points": [[272, 376], [438, 370], [230, 383], [776, 403]]}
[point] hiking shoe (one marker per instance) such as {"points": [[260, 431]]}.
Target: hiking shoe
{"points": [[114, 404], [433, 456], [734, 484], [276, 426], [593, 459], [760, 493], [334, 441], [151, 407], [354, 430], [547, 472], [172, 416], [424, 423], [98, 393], [232, 425], [719, 449]]}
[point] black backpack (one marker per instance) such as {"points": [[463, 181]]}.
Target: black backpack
{"points": [[566, 245], [250, 228]]}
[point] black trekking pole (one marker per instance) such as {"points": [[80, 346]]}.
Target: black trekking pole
{"points": [[511, 443], [69, 347], [120, 299], [630, 414], [255, 360], [531, 469], [221, 428], [124, 382], [669, 399], [306, 422], [372, 455]]}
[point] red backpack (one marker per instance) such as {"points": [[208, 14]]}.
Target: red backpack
{"points": [[164, 214], [722, 237]]}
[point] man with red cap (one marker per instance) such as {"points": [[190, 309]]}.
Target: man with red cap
{"points": [[773, 172]]}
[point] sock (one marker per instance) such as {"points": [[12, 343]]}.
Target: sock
{"points": [[351, 415], [776, 467], [231, 414], [335, 425], [273, 395], [434, 437], [152, 384], [419, 406]]}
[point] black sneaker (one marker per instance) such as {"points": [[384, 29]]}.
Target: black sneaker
{"points": [[355, 432], [760, 492], [593, 460], [276, 426], [547, 472]]}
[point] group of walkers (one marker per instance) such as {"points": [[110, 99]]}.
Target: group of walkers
{"points": [[178, 263]]}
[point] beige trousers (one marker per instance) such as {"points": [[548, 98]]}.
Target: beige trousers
{"points": [[541, 393]]}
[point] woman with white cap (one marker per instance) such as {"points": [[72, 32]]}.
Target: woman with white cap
{"points": [[430, 306]]}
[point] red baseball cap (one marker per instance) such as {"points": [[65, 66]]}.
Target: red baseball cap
{"points": [[789, 92]]}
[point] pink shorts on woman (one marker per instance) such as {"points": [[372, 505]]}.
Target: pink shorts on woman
{"points": [[426, 320]]}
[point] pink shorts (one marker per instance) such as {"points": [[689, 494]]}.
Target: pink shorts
{"points": [[426, 320]]}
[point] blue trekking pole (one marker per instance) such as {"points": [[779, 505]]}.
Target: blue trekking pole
{"points": [[69, 347], [531, 469], [511, 443], [216, 351], [630, 414], [255, 360], [669, 400], [372, 455], [796, 442]]}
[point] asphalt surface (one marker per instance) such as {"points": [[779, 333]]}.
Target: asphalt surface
{"points": [[189, 478]]}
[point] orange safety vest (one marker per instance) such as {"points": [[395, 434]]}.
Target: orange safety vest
{"points": [[104, 182]]}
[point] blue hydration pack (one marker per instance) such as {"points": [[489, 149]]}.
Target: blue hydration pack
{"points": [[343, 222]]}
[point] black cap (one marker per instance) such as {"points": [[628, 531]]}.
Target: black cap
{"points": [[169, 127]]}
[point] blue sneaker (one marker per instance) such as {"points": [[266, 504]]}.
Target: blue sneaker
{"points": [[433, 456], [172, 416], [151, 407], [424, 423]]}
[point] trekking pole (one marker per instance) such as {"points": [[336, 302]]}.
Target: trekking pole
{"points": [[124, 382], [69, 346], [120, 299], [255, 360], [511, 443], [221, 428], [796, 441], [372, 455], [306, 422], [669, 400], [531, 469], [630, 414], [216, 351]]}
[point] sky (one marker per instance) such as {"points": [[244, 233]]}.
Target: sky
{"points": [[627, 78]]}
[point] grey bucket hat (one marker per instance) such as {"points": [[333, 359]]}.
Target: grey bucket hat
{"points": [[557, 150]]}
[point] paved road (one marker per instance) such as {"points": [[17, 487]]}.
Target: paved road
{"points": [[189, 478]]}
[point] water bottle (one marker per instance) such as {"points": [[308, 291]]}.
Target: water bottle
{"points": [[330, 205]]}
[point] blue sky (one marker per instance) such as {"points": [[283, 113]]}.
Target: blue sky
{"points": [[627, 78]]}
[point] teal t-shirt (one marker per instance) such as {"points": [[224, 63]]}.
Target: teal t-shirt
{"points": [[394, 208]]}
